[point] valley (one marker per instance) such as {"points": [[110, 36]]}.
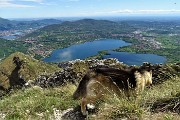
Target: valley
{"points": [[154, 37]]}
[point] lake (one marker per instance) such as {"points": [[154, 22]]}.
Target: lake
{"points": [[11, 37], [135, 59], [87, 49]]}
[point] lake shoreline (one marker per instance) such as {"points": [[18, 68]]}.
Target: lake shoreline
{"points": [[99, 48]]}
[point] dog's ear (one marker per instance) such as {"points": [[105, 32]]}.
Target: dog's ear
{"points": [[150, 72], [146, 67]]}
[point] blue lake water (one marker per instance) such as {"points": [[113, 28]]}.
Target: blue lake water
{"points": [[135, 59], [11, 37], [82, 51]]}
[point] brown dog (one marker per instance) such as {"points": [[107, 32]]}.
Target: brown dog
{"points": [[96, 83]]}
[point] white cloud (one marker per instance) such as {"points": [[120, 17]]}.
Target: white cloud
{"points": [[12, 3], [146, 11], [66, 55], [35, 1], [38, 1], [9, 3], [130, 12]]}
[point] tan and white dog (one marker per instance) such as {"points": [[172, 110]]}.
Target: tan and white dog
{"points": [[97, 83]]}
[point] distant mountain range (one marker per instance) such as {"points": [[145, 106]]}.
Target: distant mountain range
{"points": [[99, 28], [6, 24]]}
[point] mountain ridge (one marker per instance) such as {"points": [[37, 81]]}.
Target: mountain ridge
{"points": [[6, 24], [89, 24]]}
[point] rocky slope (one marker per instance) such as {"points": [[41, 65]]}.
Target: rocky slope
{"points": [[73, 71]]}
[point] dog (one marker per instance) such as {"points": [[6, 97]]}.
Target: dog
{"points": [[100, 81]]}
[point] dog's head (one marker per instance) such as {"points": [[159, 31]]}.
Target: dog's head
{"points": [[148, 77], [145, 72]]}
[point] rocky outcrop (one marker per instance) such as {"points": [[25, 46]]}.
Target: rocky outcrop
{"points": [[162, 73], [57, 79], [73, 71]]}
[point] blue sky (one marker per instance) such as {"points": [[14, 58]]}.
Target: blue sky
{"points": [[75, 8]]}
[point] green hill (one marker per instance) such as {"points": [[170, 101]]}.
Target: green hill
{"points": [[76, 28], [30, 69]]}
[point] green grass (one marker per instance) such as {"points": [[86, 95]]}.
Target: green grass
{"points": [[37, 103], [140, 108]]}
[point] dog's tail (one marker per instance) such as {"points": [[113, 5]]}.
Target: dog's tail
{"points": [[81, 89]]}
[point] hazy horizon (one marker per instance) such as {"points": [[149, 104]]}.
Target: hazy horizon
{"points": [[111, 18]]}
